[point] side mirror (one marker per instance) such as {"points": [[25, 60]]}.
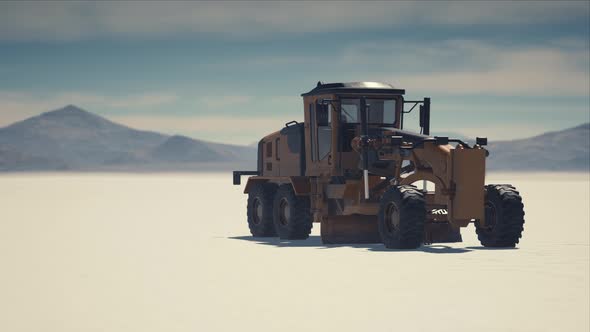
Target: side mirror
{"points": [[425, 116], [421, 116]]}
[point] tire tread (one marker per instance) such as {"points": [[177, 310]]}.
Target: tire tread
{"points": [[510, 221], [265, 192], [412, 206], [300, 224]]}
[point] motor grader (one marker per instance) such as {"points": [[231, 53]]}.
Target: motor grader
{"points": [[352, 168]]}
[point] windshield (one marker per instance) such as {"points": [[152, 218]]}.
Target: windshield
{"points": [[381, 111]]}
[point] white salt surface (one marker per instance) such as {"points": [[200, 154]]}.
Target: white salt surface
{"points": [[114, 252]]}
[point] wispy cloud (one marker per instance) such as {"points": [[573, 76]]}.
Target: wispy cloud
{"points": [[535, 71], [504, 131], [222, 101], [461, 67], [227, 129], [26, 20]]}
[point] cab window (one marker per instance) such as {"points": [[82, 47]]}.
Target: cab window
{"points": [[324, 130], [381, 111]]}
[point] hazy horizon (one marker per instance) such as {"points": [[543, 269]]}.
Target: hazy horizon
{"points": [[245, 144]]}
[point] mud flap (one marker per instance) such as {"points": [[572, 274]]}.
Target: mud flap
{"points": [[350, 229]]}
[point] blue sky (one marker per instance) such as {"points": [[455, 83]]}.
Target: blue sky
{"points": [[233, 71]]}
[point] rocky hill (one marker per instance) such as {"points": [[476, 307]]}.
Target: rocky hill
{"points": [[565, 150], [71, 138]]}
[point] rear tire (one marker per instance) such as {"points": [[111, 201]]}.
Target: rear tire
{"points": [[291, 214], [504, 217], [402, 214], [259, 211]]}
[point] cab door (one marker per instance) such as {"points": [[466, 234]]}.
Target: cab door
{"points": [[318, 132]]}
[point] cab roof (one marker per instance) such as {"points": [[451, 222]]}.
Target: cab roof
{"points": [[354, 87]]}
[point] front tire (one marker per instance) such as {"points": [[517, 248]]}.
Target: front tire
{"points": [[291, 214], [402, 214], [504, 217], [259, 211]]}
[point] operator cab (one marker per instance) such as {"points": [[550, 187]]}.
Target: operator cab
{"points": [[336, 116], [381, 99], [334, 113]]}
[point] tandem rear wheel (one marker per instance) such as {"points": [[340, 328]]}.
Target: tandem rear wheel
{"points": [[276, 210], [291, 214], [259, 211]]}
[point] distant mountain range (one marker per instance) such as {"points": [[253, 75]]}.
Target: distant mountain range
{"points": [[73, 139], [565, 150]]}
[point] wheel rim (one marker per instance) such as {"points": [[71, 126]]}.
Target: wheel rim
{"points": [[491, 215], [284, 212], [392, 219], [257, 211]]}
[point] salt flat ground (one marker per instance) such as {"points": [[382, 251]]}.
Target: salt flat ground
{"points": [[112, 252]]}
